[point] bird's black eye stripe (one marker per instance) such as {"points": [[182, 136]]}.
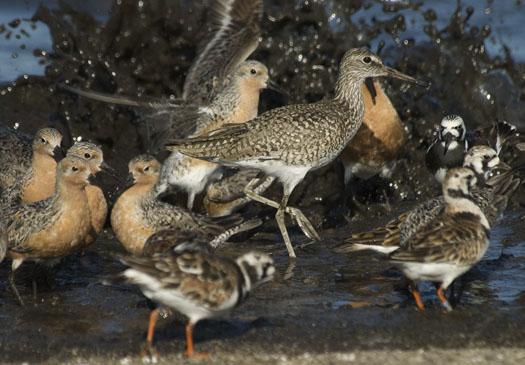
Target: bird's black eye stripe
{"points": [[367, 59]]}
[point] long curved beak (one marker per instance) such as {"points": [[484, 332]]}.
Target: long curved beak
{"points": [[401, 76]]}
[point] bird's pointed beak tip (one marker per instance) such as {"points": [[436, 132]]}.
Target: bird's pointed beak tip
{"points": [[392, 72]]}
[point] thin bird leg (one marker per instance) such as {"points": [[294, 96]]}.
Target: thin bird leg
{"points": [[189, 344], [261, 188], [417, 296], [154, 315], [443, 299], [299, 217], [191, 199], [15, 264], [12, 285], [279, 217], [149, 350], [253, 195], [303, 223]]}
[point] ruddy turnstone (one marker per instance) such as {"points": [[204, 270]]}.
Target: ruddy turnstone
{"points": [[196, 283], [288, 142], [451, 243], [492, 199], [137, 213], [50, 228], [27, 165], [448, 148]]}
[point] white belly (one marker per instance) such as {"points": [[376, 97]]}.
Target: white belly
{"points": [[183, 172], [288, 174], [435, 272]]}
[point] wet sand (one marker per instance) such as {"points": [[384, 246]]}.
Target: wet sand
{"points": [[322, 308]]}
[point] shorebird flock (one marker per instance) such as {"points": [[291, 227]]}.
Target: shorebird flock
{"points": [[50, 209]]}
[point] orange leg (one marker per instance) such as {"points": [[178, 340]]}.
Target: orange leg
{"points": [[149, 350], [417, 297], [189, 344], [441, 295], [153, 316]]}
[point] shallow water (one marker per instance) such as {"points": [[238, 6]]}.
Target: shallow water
{"points": [[324, 301]]}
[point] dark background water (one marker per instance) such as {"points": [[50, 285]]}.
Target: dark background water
{"points": [[505, 18]]}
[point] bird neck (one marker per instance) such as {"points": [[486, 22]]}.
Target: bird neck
{"points": [[348, 93], [239, 101], [457, 202], [68, 191], [144, 189]]}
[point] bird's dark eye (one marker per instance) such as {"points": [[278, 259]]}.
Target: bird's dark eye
{"points": [[43, 140], [87, 155], [74, 168], [367, 59], [253, 71], [146, 168]]}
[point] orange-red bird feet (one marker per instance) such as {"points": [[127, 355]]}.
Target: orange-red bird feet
{"points": [[149, 351], [417, 297], [443, 299], [189, 345]]}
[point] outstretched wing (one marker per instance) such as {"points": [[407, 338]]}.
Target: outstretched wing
{"points": [[234, 35]]}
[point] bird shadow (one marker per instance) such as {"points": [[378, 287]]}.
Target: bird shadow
{"points": [[208, 330]]}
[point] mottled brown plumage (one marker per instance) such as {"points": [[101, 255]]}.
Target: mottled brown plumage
{"points": [[53, 227], [492, 198], [27, 165], [236, 103], [288, 142], [196, 283], [226, 196], [138, 213], [233, 36], [450, 244]]}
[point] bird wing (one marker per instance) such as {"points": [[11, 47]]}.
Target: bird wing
{"points": [[22, 221], [419, 217], [447, 239], [15, 156], [167, 118], [234, 35], [193, 274], [274, 135]]}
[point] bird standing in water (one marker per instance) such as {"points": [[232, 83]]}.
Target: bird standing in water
{"points": [[288, 142]]}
